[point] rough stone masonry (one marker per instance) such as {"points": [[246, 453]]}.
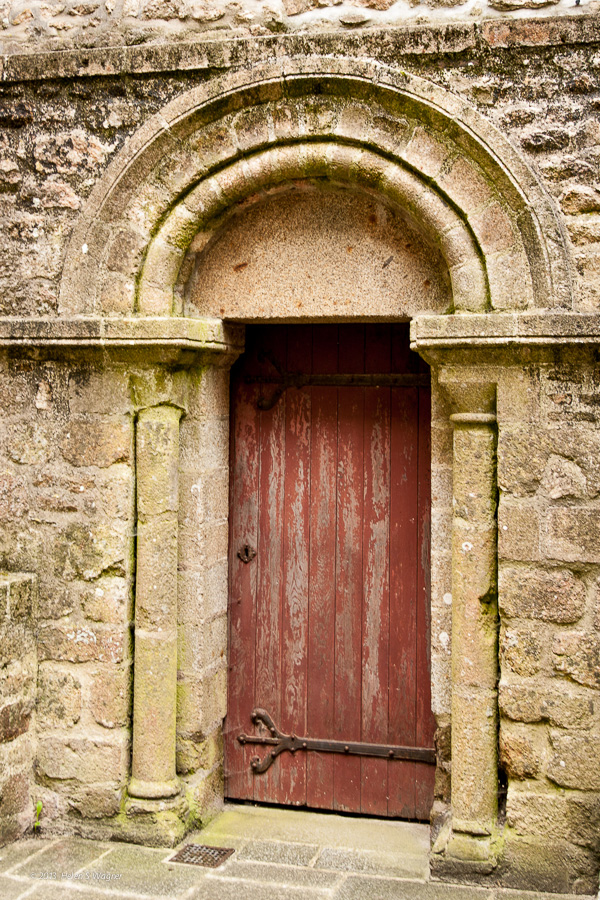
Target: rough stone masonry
{"points": [[136, 138]]}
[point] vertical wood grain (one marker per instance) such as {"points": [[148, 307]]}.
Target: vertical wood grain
{"points": [[242, 590], [349, 555], [296, 538], [321, 635]]}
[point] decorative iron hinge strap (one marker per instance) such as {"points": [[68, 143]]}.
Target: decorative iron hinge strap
{"points": [[280, 742]]}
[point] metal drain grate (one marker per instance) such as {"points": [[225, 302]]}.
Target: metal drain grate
{"points": [[201, 855]]}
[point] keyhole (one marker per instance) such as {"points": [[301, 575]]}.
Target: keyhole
{"points": [[247, 553]]}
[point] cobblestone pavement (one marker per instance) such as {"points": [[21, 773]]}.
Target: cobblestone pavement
{"points": [[277, 853]]}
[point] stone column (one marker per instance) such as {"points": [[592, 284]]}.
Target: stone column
{"points": [[155, 656], [474, 632]]}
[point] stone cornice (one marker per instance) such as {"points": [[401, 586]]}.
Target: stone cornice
{"points": [[214, 336], [204, 55], [167, 338], [503, 330]]}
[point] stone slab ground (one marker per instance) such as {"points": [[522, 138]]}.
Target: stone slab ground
{"points": [[278, 853]]}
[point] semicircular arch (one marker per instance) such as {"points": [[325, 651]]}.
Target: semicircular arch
{"points": [[215, 146]]}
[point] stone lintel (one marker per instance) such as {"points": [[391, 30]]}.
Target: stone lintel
{"points": [[530, 329], [202, 55]]}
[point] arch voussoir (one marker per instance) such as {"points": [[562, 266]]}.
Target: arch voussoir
{"points": [[378, 130]]}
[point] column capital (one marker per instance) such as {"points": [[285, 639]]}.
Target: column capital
{"points": [[468, 393], [158, 386]]}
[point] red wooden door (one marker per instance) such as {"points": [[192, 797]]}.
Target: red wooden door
{"points": [[329, 568]]}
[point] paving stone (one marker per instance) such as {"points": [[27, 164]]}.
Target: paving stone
{"points": [[271, 873], [61, 858], [357, 888], [145, 872], [401, 865], [62, 892], [211, 889], [290, 854], [508, 894], [13, 854], [11, 889]]}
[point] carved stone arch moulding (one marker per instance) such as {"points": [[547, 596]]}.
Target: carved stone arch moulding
{"points": [[351, 122]]}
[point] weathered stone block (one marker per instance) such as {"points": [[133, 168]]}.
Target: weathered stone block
{"points": [[195, 752], [552, 595], [17, 678], [201, 703], [88, 760], [59, 698], [110, 696], [563, 478], [96, 801], [108, 600], [16, 642], [518, 531], [89, 550], [493, 228], [115, 493], [14, 795], [580, 199], [15, 718], [22, 595], [572, 535], [522, 457], [201, 645], [574, 762], [519, 757], [578, 655], [541, 864], [532, 813], [29, 443], [82, 643], [99, 443], [99, 392], [518, 398], [565, 709]]}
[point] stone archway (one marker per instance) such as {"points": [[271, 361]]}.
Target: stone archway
{"points": [[224, 147]]}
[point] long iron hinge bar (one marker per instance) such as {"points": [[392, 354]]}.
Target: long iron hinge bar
{"points": [[290, 742]]}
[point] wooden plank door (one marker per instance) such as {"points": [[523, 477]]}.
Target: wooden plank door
{"points": [[329, 567]]}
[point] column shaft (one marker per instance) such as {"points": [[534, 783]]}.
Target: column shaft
{"points": [[474, 625], [155, 656]]}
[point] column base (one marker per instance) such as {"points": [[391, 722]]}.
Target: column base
{"points": [[153, 790], [156, 823], [463, 857]]}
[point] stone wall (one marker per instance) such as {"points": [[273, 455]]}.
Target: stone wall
{"points": [[18, 673], [68, 476], [548, 595]]}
